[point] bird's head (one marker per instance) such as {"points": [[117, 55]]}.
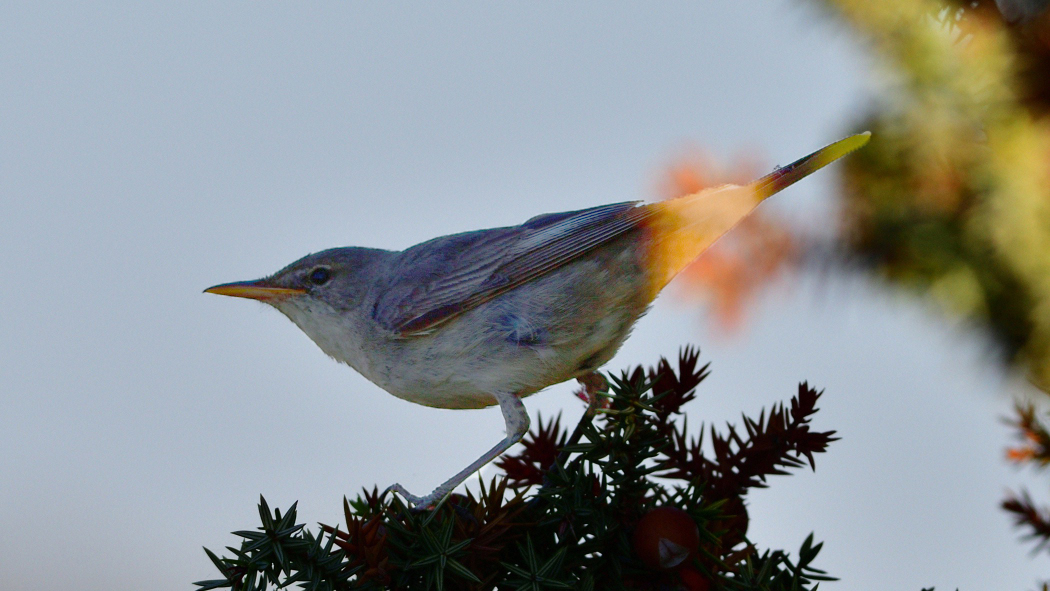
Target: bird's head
{"points": [[333, 276], [320, 292]]}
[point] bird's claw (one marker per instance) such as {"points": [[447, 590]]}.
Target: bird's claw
{"points": [[593, 385], [415, 503]]}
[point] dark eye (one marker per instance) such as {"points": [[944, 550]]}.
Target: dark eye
{"points": [[320, 276]]}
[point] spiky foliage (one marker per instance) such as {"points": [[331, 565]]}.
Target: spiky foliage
{"points": [[1034, 450], [564, 515]]}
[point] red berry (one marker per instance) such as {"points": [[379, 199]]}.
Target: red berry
{"points": [[665, 537], [693, 580]]}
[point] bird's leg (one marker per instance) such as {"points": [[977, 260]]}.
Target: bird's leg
{"points": [[593, 383], [517, 420]]}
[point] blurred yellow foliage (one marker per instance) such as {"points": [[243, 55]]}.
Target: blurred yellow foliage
{"points": [[953, 195]]}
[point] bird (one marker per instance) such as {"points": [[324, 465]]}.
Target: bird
{"points": [[488, 317]]}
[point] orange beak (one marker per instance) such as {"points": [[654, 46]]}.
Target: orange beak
{"points": [[254, 290]]}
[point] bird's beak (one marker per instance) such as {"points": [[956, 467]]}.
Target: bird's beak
{"points": [[255, 290]]}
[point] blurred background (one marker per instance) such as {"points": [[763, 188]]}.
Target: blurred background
{"points": [[150, 150]]}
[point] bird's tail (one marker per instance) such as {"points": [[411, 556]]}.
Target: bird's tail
{"points": [[683, 228]]}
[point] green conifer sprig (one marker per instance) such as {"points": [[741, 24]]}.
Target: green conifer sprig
{"points": [[564, 514]]}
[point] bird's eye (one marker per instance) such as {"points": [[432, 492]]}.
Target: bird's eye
{"points": [[320, 276]]}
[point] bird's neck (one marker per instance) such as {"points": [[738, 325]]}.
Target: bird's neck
{"points": [[340, 334]]}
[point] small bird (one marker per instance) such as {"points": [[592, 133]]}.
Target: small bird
{"points": [[488, 317]]}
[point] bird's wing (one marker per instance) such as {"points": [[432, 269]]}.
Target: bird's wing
{"points": [[445, 277]]}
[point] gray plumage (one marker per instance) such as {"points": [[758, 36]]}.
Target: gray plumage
{"points": [[453, 319]]}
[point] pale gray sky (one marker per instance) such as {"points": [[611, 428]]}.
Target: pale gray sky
{"points": [[149, 150]]}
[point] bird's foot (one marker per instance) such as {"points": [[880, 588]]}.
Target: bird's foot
{"points": [[423, 503], [593, 384], [517, 421]]}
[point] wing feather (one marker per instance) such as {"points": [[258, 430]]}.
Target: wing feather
{"points": [[445, 277]]}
